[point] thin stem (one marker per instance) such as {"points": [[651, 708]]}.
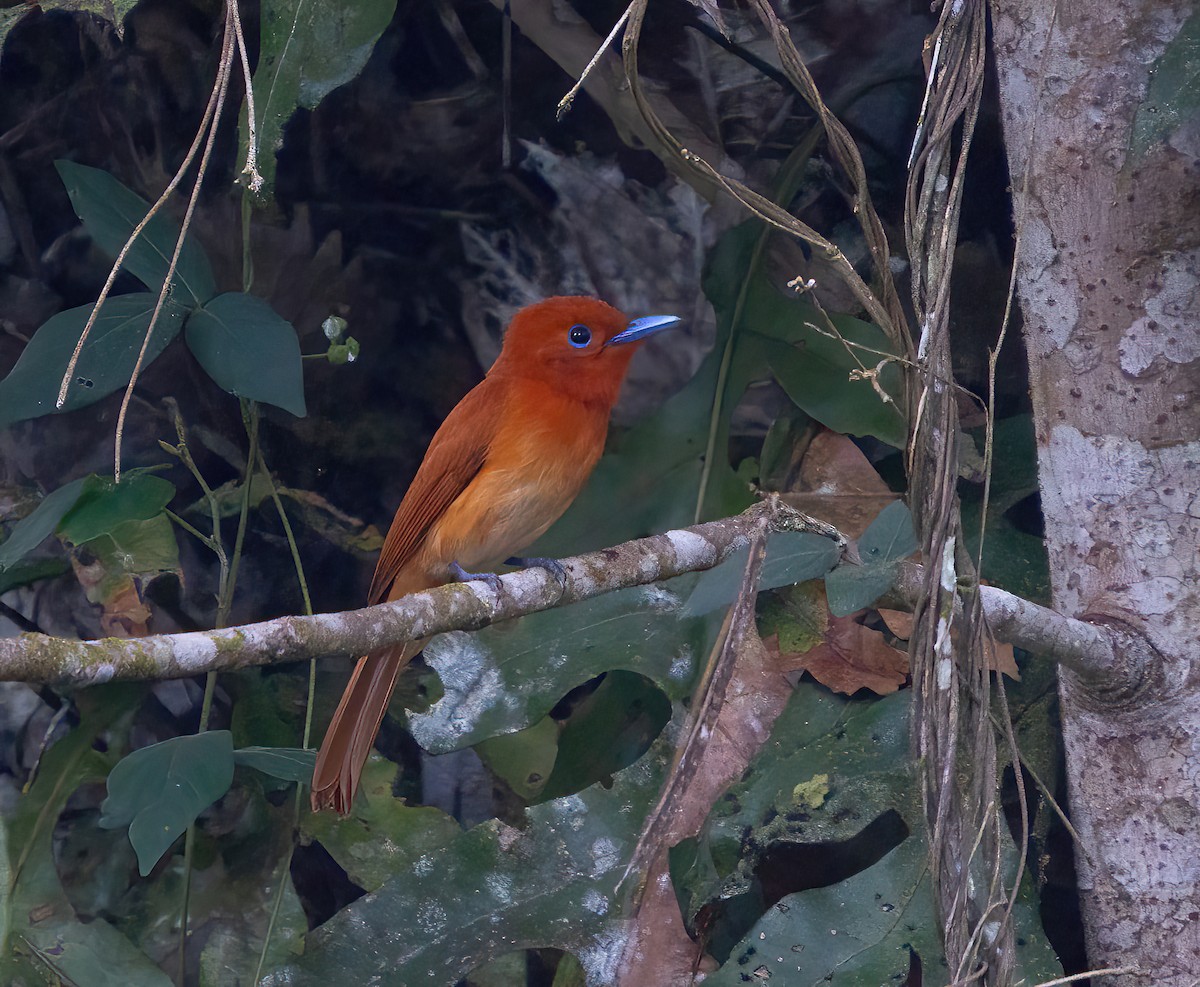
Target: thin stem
{"points": [[564, 104], [222, 87], [250, 421]]}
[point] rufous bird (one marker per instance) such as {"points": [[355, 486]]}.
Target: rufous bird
{"points": [[503, 466]]}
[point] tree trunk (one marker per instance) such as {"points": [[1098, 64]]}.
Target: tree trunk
{"points": [[1108, 275]]}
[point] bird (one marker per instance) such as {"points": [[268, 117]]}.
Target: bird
{"points": [[505, 464]]}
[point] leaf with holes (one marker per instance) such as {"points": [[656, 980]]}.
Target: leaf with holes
{"points": [[105, 363]]}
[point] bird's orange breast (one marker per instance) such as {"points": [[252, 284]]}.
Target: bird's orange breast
{"points": [[544, 448]]}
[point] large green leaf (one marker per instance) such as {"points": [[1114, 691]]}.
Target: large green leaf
{"points": [[831, 808], [158, 791], [35, 912], [495, 888], [249, 350], [382, 836], [856, 932], [307, 48], [606, 732], [104, 504], [813, 368], [507, 677], [110, 212], [32, 530], [105, 363]]}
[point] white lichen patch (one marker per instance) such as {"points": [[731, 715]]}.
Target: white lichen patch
{"points": [[604, 856], [689, 547], [601, 960], [194, 650], [681, 665], [1053, 303], [1166, 331], [595, 902], [473, 686], [499, 887]]}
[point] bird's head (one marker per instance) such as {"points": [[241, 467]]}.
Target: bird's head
{"points": [[582, 343]]}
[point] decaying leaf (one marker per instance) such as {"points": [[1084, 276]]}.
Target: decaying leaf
{"points": [[839, 485], [851, 657], [1000, 655]]}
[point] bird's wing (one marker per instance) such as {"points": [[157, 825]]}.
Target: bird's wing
{"points": [[456, 454]]}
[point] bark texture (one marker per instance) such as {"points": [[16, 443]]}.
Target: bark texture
{"points": [[1109, 283]]}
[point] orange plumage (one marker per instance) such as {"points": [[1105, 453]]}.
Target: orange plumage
{"points": [[505, 464]]}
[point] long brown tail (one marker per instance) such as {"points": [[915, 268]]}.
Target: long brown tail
{"points": [[354, 725]]}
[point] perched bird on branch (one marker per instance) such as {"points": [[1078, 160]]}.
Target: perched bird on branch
{"points": [[503, 466]]}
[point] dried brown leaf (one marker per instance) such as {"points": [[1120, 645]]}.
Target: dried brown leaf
{"points": [[1000, 657], [853, 657], [839, 485]]}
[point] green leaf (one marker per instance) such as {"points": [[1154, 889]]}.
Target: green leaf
{"points": [[307, 49], [523, 759], [27, 573], [815, 373], [287, 763], [104, 504], [551, 882], [249, 350], [890, 536], [382, 837], [110, 212], [855, 932], [775, 331], [158, 791], [792, 557], [30, 531], [507, 677], [1173, 94], [105, 363], [608, 731], [888, 539], [852, 587], [35, 911]]}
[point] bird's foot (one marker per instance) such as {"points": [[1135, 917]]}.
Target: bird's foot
{"points": [[461, 574], [552, 566]]}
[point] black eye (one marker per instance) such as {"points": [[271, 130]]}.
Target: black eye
{"points": [[579, 336]]}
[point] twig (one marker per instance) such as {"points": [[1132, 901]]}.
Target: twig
{"points": [[1086, 647], [222, 87], [564, 104], [137, 231], [1111, 971]]}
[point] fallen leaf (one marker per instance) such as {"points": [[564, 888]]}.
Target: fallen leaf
{"points": [[839, 485], [851, 657], [1000, 657], [898, 622]]}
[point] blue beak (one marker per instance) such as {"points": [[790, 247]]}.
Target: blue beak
{"points": [[643, 327]]}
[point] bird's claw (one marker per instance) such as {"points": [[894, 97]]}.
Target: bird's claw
{"points": [[461, 574], [552, 566]]}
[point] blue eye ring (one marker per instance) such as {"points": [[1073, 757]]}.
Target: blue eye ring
{"points": [[579, 336]]}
